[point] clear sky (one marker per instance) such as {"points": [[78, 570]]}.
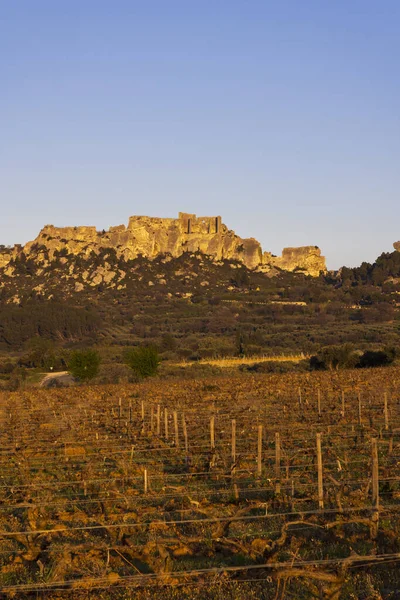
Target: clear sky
{"points": [[282, 116]]}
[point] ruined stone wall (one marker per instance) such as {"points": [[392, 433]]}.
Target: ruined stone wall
{"points": [[151, 236], [190, 223]]}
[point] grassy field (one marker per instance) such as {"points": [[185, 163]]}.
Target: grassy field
{"points": [[256, 486]]}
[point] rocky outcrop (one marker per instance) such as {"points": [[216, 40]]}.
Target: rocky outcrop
{"points": [[396, 246], [5, 258], [150, 237], [305, 259]]}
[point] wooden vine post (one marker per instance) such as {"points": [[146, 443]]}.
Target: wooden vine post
{"points": [[212, 432], [233, 440], [233, 453], [185, 435], [152, 419], [375, 488], [259, 450], [359, 409], [166, 423], [158, 419], [176, 429], [143, 414], [385, 410], [320, 474], [343, 404], [119, 409], [319, 402], [277, 463]]}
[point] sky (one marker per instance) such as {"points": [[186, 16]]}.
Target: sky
{"points": [[282, 116]]}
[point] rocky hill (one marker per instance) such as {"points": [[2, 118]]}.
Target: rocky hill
{"points": [[151, 237], [118, 288]]}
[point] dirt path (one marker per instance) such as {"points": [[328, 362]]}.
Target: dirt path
{"points": [[47, 377]]}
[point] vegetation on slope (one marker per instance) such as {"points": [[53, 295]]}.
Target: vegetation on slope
{"points": [[191, 308]]}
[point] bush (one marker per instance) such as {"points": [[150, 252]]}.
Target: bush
{"points": [[6, 368], [114, 373], [345, 357], [316, 363], [372, 358], [169, 342], [335, 357], [143, 361], [84, 364], [17, 378]]}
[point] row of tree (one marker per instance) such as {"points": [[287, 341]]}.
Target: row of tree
{"points": [[56, 321], [143, 361]]}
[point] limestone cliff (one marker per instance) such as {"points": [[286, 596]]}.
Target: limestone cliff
{"points": [[307, 259], [150, 237], [5, 257]]}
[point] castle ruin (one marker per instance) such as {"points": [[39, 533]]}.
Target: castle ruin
{"points": [[152, 236]]}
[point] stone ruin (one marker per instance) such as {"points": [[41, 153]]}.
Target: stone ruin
{"points": [[152, 236]]}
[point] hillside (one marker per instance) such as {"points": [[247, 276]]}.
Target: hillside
{"points": [[192, 306]]}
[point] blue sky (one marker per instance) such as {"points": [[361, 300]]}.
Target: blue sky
{"points": [[282, 116]]}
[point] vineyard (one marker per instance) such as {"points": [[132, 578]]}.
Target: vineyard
{"points": [[266, 486]]}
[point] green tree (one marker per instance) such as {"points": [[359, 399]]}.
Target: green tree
{"points": [[144, 361], [40, 353], [335, 357], [84, 364]]}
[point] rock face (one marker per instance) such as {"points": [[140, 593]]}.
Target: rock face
{"points": [[5, 258], [306, 258], [150, 237]]}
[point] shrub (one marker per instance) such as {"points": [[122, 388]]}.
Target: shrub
{"points": [[113, 373], [335, 357], [344, 357], [6, 368], [84, 364], [169, 342], [17, 378], [316, 363], [374, 358], [143, 361]]}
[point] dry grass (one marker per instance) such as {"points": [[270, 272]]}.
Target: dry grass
{"points": [[234, 361]]}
